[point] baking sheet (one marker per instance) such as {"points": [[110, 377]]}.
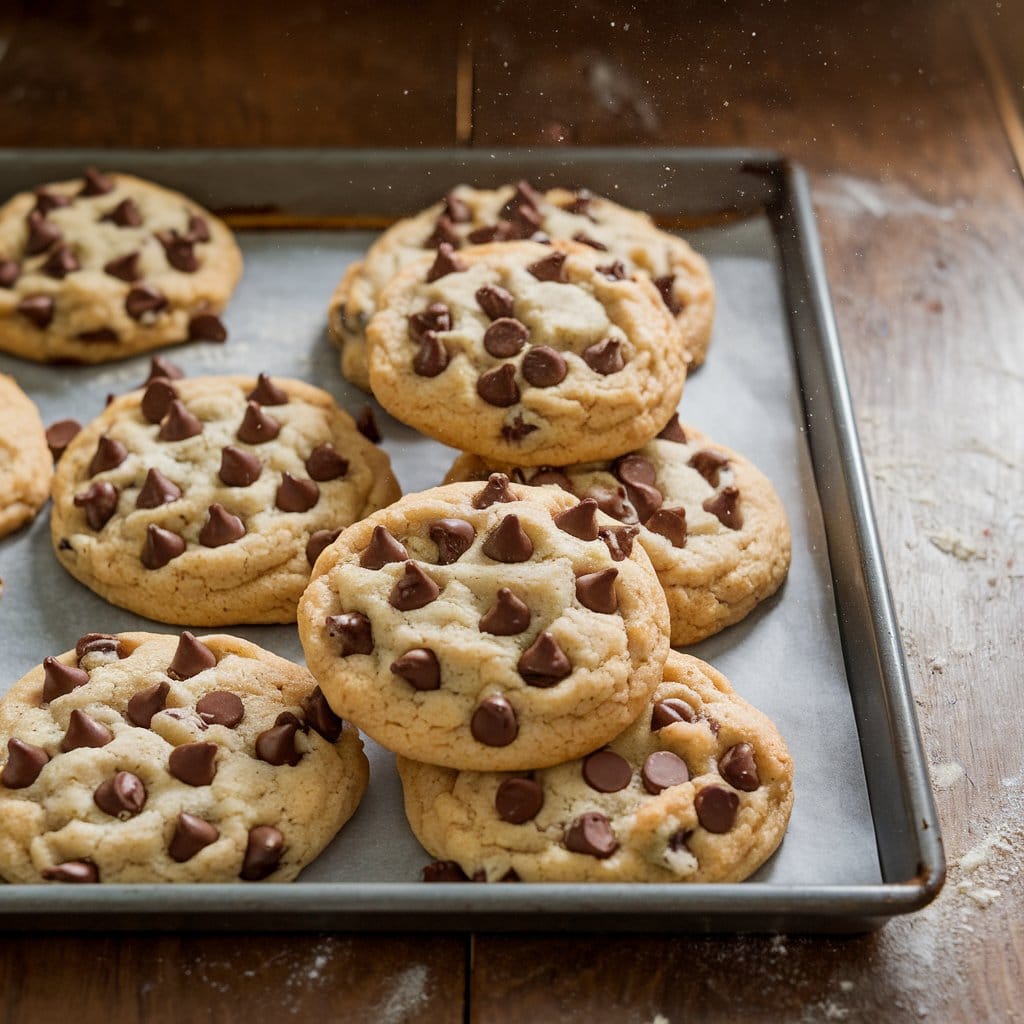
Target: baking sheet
{"points": [[786, 658]]}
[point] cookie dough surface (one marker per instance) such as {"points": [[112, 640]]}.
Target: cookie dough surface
{"points": [[466, 627], [105, 266], [25, 461], [153, 758], [526, 352], [697, 789], [191, 502], [711, 522], [470, 216]]}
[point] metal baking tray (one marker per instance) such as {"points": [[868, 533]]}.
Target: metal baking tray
{"points": [[823, 657]]}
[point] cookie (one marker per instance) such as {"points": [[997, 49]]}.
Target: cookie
{"points": [[25, 461], [148, 758], [470, 216], [526, 353], [711, 522], [108, 265], [206, 501], [697, 789], [486, 627]]}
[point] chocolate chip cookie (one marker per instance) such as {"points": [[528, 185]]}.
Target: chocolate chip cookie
{"points": [[206, 501], [527, 353], [25, 461], [711, 522], [148, 758], [490, 626], [628, 241], [697, 789], [108, 265]]}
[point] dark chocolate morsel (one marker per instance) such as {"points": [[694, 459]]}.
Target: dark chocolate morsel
{"points": [[24, 763], [198, 229], [98, 643], [263, 853], [509, 616], [596, 591], [635, 471], [191, 834], [592, 834], [157, 490], [84, 731], [550, 475], [318, 542], [121, 796], [41, 234], [739, 768], [179, 424], [221, 527], [160, 547], [580, 521], [444, 871], [498, 386], [605, 357], [505, 337], [517, 429], [354, 630], [146, 703], [109, 454], [324, 463], [366, 424], [96, 184], [614, 271], [670, 711], [612, 501], [76, 872], [663, 769], [191, 657], [543, 367], [124, 268], [413, 589], [207, 327], [10, 271], [495, 301], [673, 430], [645, 499], [619, 540], [508, 542], [445, 263], [489, 233], [444, 231], [494, 722], [607, 772], [60, 263], [125, 215], [518, 800], [544, 663], [257, 426], [239, 468], [100, 334], [709, 464], [179, 250], [60, 679], [435, 318], [267, 392], [194, 763], [221, 707], [431, 358], [495, 490], [716, 808], [99, 502], [46, 201], [671, 524], [295, 494], [725, 506], [666, 289], [37, 308], [143, 300], [321, 717], [549, 268], [382, 549], [157, 398], [419, 667], [453, 538], [585, 239], [276, 745]]}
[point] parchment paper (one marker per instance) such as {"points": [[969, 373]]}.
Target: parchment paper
{"points": [[785, 658]]}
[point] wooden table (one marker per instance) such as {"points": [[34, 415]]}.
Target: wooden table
{"points": [[908, 117]]}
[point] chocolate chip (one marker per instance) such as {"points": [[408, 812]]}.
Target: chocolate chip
{"points": [[46, 201], [179, 424], [320, 716], [524, 196], [382, 549], [436, 317], [60, 679], [194, 763], [508, 542], [267, 392], [496, 302], [296, 494], [9, 273], [146, 703], [585, 239], [725, 506], [518, 800], [494, 722], [498, 386], [444, 231], [673, 430], [709, 464], [276, 745], [453, 538], [96, 184], [98, 643], [669, 711], [239, 468], [99, 502], [366, 424], [669, 523], [179, 250], [605, 357], [220, 528], [738, 767], [517, 429], [24, 763], [143, 301], [324, 463], [125, 215], [318, 542], [37, 308], [596, 591], [663, 769], [263, 853], [614, 271], [716, 808], [580, 203], [489, 233], [220, 707], [444, 871], [505, 338], [191, 834], [445, 263], [101, 334], [544, 663], [635, 469], [160, 547], [580, 521], [419, 667], [41, 234], [619, 540], [543, 367], [645, 498], [457, 209], [508, 616], [122, 796], [84, 731], [354, 630], [60, 263], [413, 589], [191, 657], [80, 872], [109, 454], [666, 288], [431, 358], [207, 327], [198, 229], [607, 772], [612, 501], [592, 834], [157, 398], [124, 268], [495, 490], [523, 222], [550, 475], [257, 426], [549, 268]]}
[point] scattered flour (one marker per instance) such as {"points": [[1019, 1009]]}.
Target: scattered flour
{"points": [[845, 194], [945, 776], [408, 995], [950, 542]]}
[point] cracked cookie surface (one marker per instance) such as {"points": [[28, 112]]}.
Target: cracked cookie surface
{"points": [[142, 757], [526, 352], [205, 501], [711, 522], [468, 216], [25, 461], [487, 627], [698, 789], [106, 266]]}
